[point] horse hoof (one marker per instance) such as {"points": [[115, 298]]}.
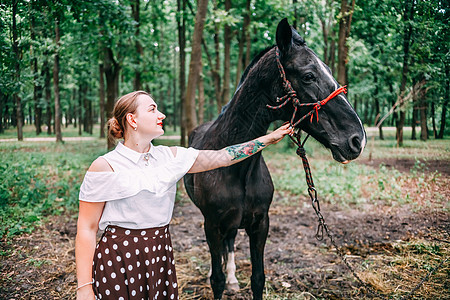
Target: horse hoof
{"points": [[233, 287]]}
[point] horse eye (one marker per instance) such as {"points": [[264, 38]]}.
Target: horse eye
{"points": [[308, 77]]}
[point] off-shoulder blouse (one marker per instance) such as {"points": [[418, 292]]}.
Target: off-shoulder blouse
{"points": [[140, 193]]}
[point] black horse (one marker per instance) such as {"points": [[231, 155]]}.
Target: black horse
{"points": [[239, 196]]}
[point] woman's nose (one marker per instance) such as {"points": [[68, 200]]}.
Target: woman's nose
{"points": [[162, 116]]}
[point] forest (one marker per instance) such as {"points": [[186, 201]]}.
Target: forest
{"points": [[64, 63]]}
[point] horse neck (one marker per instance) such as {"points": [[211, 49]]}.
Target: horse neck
{"points": [[246, 116]]}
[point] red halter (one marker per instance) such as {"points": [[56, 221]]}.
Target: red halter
{"points": [[291, 94]]}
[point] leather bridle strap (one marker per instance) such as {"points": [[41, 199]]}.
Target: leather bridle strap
{"points": [[291, 95]]}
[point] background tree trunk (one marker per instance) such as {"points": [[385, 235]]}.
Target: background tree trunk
{"points": [[37, 89], [135, 9], [216, 67], [17, 56], [112, 71], [407, 18], [226, 59], [102, 100], [242, 41], [377, 106], [56, 85], [444, 105], [344, 33], [48, 95], [201, 99], [423, 114], [414, 111], [181, 22], [195, 66]]}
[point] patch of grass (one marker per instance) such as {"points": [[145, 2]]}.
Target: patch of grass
{"points": [[398, 272], [39, 180]]}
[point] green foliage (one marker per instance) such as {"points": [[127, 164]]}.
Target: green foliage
{"points": [[40, 180]]}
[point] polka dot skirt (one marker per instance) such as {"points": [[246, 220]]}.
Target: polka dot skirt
{"points": [[135, 264]]}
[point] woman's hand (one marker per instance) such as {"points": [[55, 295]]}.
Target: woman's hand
{"points": [[278, 134], [86, 293]]}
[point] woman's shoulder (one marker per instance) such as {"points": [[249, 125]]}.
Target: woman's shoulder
{"points": [[165, 152], [100, 165]]}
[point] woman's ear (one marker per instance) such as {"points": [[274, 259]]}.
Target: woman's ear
{"points": [[131, 121]]}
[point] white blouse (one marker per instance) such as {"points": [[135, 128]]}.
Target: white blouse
{"points": [[140, 193]]}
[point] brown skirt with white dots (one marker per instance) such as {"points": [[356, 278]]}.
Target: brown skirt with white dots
{"points": [[135, 264]]}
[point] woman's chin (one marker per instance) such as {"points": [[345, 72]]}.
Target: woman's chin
{"points": [[159, 134]]}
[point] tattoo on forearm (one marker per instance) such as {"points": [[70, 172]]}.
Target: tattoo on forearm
{"points": [[244, 150]]}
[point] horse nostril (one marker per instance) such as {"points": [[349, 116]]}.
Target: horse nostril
{"points": [[354, 143]]}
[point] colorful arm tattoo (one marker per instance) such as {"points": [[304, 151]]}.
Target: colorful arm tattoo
{"points": [[244, 150]]}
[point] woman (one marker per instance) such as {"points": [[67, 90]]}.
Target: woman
{"points": [[129, 193]]}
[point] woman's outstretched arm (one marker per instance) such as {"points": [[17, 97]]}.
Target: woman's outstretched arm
{"points": [[213, 159]]}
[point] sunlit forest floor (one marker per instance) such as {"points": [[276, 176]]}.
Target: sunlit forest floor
{"points": [[388, 211]]}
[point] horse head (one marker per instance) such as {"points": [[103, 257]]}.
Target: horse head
{"points": [[333, 123]]}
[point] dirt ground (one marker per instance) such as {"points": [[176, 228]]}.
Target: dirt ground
{"points": [[298, 266]]}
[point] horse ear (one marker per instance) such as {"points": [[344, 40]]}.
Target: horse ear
{"points": [[284, 35]]}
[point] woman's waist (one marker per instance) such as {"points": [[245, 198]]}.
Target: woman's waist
{"points": [[142, 232]]}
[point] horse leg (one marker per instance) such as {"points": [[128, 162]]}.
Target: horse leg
{"points": [[215, 243], [231, 282], [257, 233]]}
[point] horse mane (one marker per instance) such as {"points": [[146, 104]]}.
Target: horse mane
{"points": [[296, 38], [246, 71]]}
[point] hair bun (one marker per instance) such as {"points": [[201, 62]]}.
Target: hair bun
{"points": [[114, 129]]}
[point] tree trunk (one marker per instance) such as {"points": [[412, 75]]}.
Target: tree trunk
{"points": [[112, 71], [174, 97], [423, 121], [294, 2], [102, 100], [248, 43], [242, 41], [414, 114], [344, 33], [48, 94], [2, 106], [377, 105], [332, 59], [414, 121], [135, 9], [201, 98], [181, 22], [195, 66], [444, 105], [226, 59], [80, 114], [433, 120], [56, 85], [407, 18], [37, 89], [216, 67], [17, 56], [85, 101]]}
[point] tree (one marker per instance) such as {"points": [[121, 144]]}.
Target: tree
{"points": [[408, 15], [194, 66], [181, 23], [56, 83], [17, 58], [344, 32]]}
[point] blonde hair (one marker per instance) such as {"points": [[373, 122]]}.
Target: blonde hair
{"points": [[117, 125]]}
